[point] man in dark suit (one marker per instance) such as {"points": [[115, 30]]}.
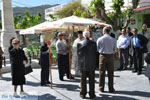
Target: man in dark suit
{"points": [[128, 30], [138, 47], [111, 34], [87, 54]]}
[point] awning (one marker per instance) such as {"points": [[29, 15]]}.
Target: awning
{"points": [[142, 8]]}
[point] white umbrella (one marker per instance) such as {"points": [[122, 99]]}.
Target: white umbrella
{"points": [[60, 25], [32, 30], [72, 21], [39, 28]]}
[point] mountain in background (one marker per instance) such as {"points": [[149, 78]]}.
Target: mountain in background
{"points": [[31, 10]]}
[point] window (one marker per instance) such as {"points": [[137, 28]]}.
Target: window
{"points": [[146, 19]]}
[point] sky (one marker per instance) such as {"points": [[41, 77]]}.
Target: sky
{"points": [[32, 3]]}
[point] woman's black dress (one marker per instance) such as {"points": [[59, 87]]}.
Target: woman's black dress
{"points": [[44, 62], [18, 68]]}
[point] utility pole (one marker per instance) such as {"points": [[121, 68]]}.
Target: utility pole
{"points": [[7, 25]]}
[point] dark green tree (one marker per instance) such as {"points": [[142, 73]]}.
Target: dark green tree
{"points": [[16, 21], [52, 17], [27, 20]]}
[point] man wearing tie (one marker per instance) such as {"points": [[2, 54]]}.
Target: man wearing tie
{"points": [[138, 47]]}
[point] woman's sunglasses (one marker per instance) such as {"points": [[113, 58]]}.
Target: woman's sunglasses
{"points": [[15, 43]]}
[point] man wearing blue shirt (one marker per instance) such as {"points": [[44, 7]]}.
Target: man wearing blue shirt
{"points": [[122, 45]]}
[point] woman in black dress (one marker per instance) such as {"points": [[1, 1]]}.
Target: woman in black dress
{"points": [[18, 65], [44, 62]]}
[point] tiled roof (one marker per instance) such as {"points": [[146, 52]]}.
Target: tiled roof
{"points": [[142, 8]]}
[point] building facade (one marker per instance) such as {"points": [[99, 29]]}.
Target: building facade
{"points": [[141, 15], [52, 11]]}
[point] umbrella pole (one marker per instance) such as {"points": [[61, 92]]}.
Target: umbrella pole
{"points": [[50, 68], [72, 33]]}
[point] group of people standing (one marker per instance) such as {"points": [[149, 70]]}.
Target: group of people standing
{"points": [[133, 45], [130, 44], [87, 56], [62, 58]]}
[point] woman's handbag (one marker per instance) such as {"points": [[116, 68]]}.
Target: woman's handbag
{"points": [[28, 69]]}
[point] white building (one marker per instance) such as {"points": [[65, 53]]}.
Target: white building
{"points": [[52, 11], [86, 3], [141, 15], [144, 3]]}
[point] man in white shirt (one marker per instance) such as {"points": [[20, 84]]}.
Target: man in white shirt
{"points": [[74, 63], [122, 45]]}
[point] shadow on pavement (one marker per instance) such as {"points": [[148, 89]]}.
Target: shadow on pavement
{"points": [[135, 93], [69, 87], [76, 80], [7, 78], [47, 97], [32, 83], [110, 97], [106, 75], [64, 95]]}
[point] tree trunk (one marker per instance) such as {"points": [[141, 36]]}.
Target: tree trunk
{"points": [[101, 13], [24, 40], [131, 12], [127, 21], [115, 22]]}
